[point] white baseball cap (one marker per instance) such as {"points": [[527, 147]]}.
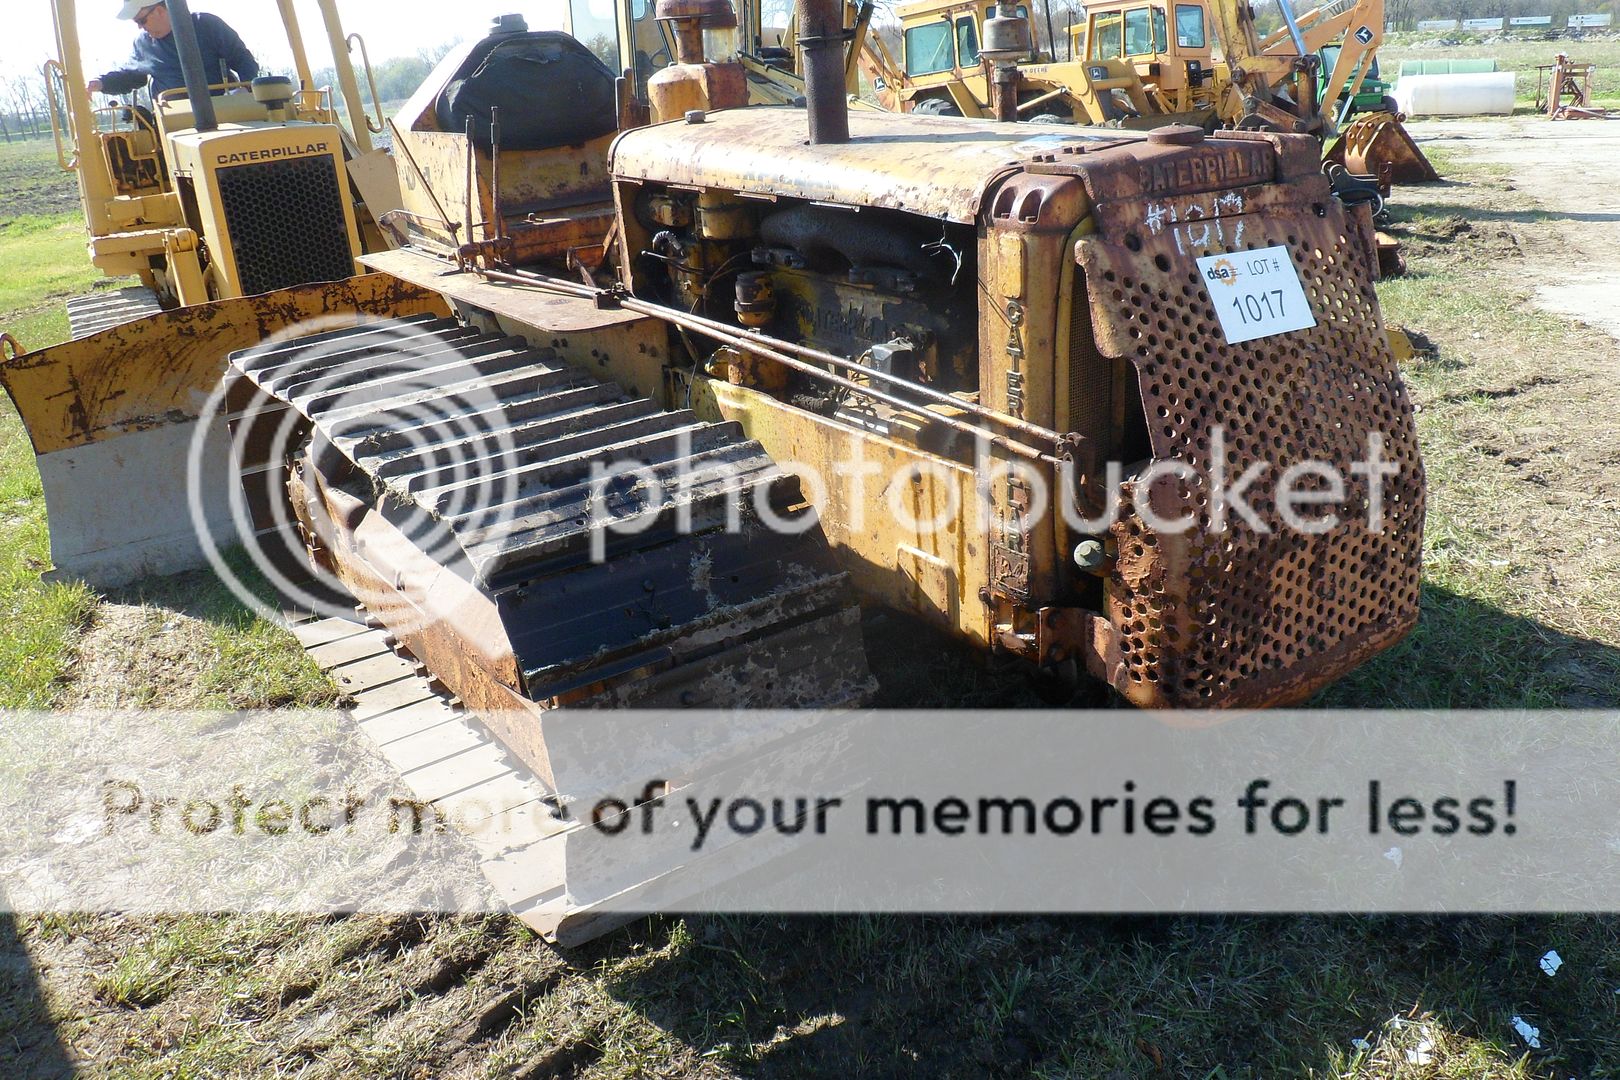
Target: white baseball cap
{"points": [[133, 7]]}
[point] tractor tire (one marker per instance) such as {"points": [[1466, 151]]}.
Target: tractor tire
{"points": [[1390, 105], [936, 107]]}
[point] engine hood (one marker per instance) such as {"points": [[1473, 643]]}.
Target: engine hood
{"points": [[939, 167]]}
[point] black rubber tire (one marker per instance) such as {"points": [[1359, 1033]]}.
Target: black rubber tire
{"points": [[1390, 105], [936, 107]]}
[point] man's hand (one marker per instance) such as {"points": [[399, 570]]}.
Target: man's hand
{"points": [[94, 86]]}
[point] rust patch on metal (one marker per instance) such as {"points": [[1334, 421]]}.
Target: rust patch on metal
{"points": [[938, 167], [158, 370], [1375, 142], [1243, 617]]}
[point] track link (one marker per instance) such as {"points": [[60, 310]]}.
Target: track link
{"points": [[103, 310], [455, 482]]}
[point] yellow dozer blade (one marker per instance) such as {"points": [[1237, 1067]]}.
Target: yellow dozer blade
{"points": [[112, 417], [1374, 140]]}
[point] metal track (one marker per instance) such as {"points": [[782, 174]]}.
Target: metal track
{"points": [[446, 757], [103, 310], [550, 870], [419, 432]]}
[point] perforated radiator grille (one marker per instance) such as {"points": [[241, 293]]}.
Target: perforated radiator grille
{"points": [[286, 223], [1243, 615]]}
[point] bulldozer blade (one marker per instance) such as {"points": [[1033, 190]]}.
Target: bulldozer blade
{"points": [[1374, 142], [112, 415]]}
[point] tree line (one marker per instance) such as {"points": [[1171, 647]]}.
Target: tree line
{"points": [[1406, 14], [25, 110]]}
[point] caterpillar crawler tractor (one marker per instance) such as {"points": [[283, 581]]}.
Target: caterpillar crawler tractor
{"points": [[633, 412]]}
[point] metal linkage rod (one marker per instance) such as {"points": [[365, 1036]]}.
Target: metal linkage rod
{"points": [[789, 353]]}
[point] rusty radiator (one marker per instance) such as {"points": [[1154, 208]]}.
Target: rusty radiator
{"points": [[1250, 616]]}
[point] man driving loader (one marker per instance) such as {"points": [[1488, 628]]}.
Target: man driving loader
{"points": [[157, 56]]}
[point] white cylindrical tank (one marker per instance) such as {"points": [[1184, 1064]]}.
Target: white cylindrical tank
{"points": [[1479, 94]]}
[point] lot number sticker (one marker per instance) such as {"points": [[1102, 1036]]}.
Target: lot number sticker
{"points": [[1257, 293]]}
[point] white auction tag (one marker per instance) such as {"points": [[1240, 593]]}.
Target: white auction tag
{"points": [[1256, 293]]}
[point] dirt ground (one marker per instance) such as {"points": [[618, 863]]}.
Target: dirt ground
{"points": [[1569, 169], [1522, 432]]}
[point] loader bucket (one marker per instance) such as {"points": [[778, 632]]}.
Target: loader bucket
{"points": [[1374, 141], [111, 417]]}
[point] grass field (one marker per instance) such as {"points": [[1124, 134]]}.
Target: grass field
{"points": [[1520, 57], [200, 996]]}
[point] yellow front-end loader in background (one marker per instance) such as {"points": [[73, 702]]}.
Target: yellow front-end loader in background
{"points": [[1141, 64], [240, 210]]}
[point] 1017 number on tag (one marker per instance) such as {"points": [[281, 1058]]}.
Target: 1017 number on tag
{"points": [[1257, 294]]}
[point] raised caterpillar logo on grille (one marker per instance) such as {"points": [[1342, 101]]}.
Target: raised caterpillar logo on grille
{"points": [[271, 154]]}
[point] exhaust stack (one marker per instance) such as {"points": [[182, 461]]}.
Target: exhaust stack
{"points": [[191, 65], [821, 36]]}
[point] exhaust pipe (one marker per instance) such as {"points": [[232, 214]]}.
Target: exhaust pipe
{"points": [[191, 65], [821, 37]]}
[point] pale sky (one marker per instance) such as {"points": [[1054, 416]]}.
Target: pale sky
{"points": [[390, 27]]}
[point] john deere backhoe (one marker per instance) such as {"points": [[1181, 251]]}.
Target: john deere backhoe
{"points": [[924, 355]]}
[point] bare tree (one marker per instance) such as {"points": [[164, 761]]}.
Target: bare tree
{"points": [[22, 95], [1400, 13]]}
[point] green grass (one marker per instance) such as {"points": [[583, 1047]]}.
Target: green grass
{"points": [[1520, 57], [184, 945], [39, 623], [43, 237], [46, 261], [1488, 636], [252, 663]]}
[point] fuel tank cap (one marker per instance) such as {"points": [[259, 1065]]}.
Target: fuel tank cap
{"points": [[1177, 135]]}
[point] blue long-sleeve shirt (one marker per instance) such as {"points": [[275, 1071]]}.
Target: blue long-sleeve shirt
{"points": [[225, 59]]}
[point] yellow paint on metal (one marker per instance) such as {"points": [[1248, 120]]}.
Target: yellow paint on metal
{"points": [[628, 348], [566, 188], [205, 155], [938, 167], [161, 369], [934, 573], [1400, 345]]}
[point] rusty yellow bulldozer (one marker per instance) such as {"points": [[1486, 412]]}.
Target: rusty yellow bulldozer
{"points": [[622, 391]]}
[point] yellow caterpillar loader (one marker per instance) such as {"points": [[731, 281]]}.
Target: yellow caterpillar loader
{"points": [[1140, 64], [223, 202], [632, 412]]}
